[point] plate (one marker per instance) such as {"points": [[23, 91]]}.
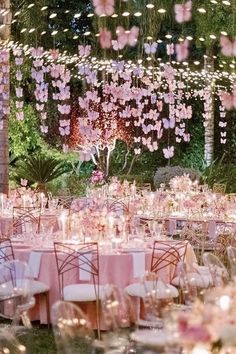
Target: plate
{"points": [[21, 246], [150, 337], [43, 249], [132, 249]]}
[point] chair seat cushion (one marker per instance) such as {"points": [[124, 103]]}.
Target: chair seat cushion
{"points": [[201, 281], [33, 287], [83, 292], [38, 287], [162, 290]]}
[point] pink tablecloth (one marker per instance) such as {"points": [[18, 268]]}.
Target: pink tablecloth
{"points": [[6, 224], [115, 269]]}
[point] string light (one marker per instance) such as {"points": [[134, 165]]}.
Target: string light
{"points": [[201, 10], [150, 6], [161, 11]]}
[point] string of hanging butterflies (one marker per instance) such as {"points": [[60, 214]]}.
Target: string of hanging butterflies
{"points": [[135, 101]]}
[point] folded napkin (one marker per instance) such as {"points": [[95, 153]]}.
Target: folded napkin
{"points": [[35, 262], [85, 260], [138, 264]]}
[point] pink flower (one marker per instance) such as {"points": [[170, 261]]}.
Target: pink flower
{"points": [[97, 177], [23, 182], [105, 38]]}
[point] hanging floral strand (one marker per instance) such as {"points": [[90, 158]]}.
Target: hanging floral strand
{"points": [[19, 60], [61, 78], [38, 72], [4, 86]]}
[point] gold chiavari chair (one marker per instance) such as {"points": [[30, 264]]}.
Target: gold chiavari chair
{"points": [[82, 259]]}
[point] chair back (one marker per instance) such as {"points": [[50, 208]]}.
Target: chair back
{"points": [[65, 201], [16, 290], [167, 254], [71, 328], [81, 257], [231, 253], [117, 206], [187, 284], [9, 343], [26, 219], [218, 271], [219, 188], [6, 251], [118, 309]]}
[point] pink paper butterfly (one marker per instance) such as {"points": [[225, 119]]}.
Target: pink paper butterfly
{"points": [[64, 108], [39, 107], [170, 49], [54, 53], [182, 50], [223, 134], [65, 148], [93, 115], [146, 141], [18, 75], [178, 140], [19, 104], [147, 128], [37, 52], [127, 37], [227, 100], [105, 38], [137, 151], [183, 12], [126, 113], [84, 51], [222, 124], [186, 137], [153, 147], [108, 107], [44, 129], [116, 45], [150, 48], [19, 61], [223, 141], [20, 115], [168, 123], [64, 130], [104, 7], [92, 95], [43, 115], [137, 139], [168, 152], [19, 92], [228, 48]]}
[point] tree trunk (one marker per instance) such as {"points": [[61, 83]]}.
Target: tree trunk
{"points": [[4, 103], [209, 121]]}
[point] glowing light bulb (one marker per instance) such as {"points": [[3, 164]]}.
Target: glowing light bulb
{"points": [[150, 6], [53, 15], [201, 10]]}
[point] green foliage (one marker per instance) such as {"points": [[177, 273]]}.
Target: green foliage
{"points": [[193, 156], [24, 136], [219, 172], [77, 185], [40, 169], [165, 174]]}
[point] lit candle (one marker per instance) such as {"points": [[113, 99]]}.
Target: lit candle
{"points": [[24, 201], [41, 200], [63, 225], [2, 199]]}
